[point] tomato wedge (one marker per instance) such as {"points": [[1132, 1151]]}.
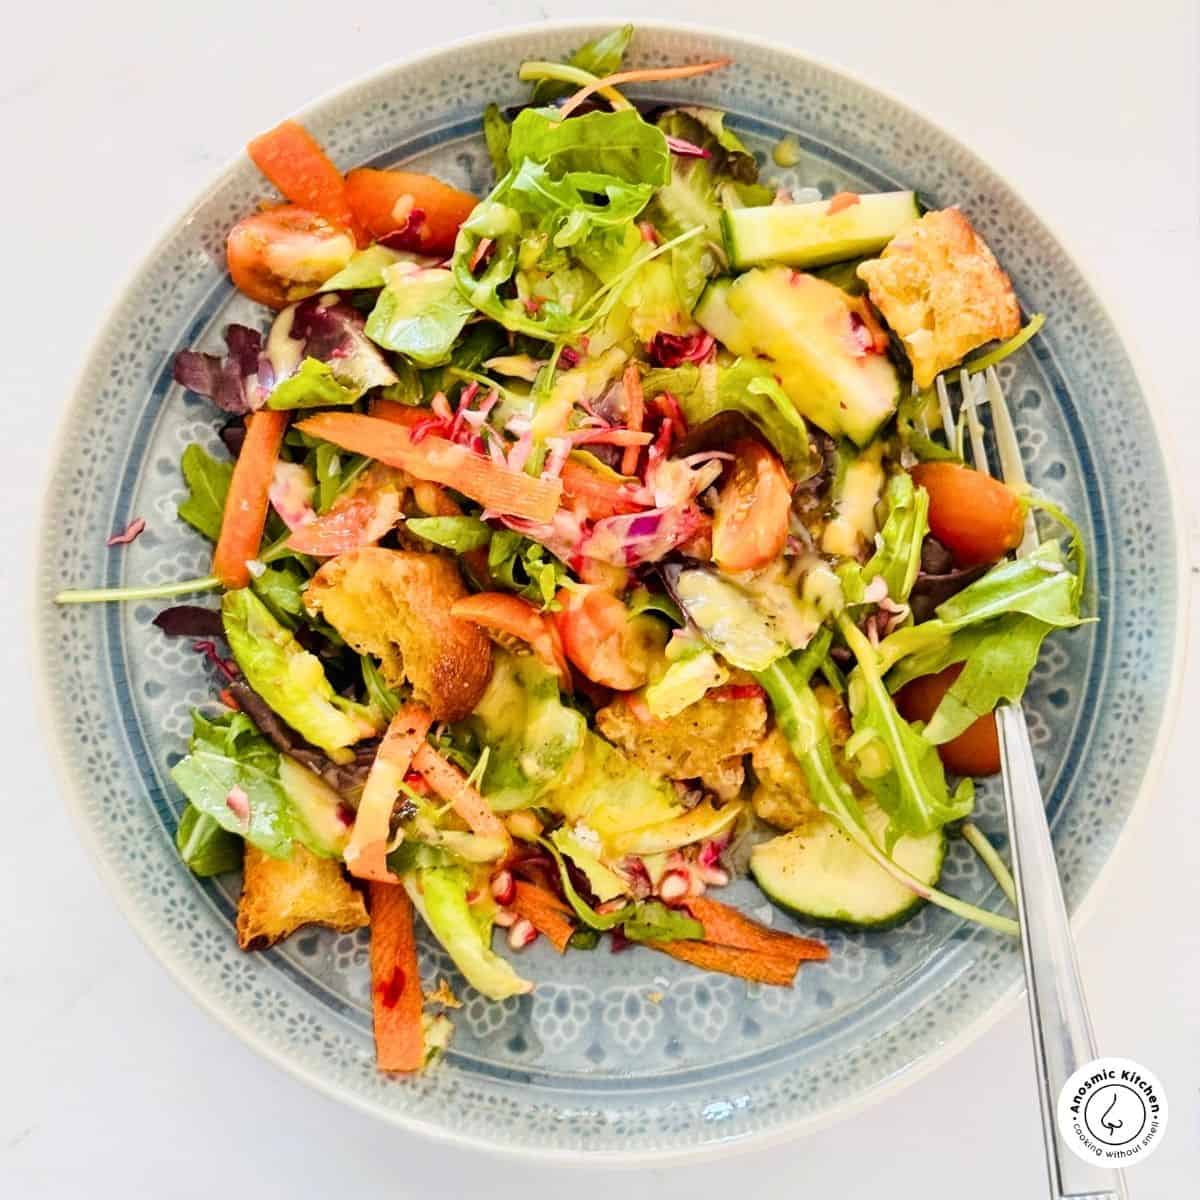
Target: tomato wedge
{"points": [[751, 523], [410, 211], [285, 254], [608, 646], [977, 518], [514, 617], [976, 751]]}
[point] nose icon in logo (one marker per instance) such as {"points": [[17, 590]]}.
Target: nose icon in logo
{"points": [[1107, 1121]]}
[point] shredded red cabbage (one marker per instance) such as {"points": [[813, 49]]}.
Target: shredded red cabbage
{"points": [[675, 349], [686, 149], [128, 534]]}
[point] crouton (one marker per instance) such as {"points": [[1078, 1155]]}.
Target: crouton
{"points": [[706, 741], [395, 604], [942, 291], [782, 798], [280, 895]]}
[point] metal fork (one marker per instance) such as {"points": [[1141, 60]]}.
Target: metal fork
{"points": [[1063, 1040]]}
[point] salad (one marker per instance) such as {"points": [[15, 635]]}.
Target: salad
{"points": [[584, 546]]}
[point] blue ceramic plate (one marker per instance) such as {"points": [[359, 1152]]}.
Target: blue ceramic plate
{"points": [[614, 1055]]}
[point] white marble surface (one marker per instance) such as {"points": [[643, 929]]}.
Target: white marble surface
{"points": [[113, 116]]}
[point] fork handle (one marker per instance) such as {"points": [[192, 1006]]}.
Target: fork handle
{"points": [[1062, 1030]]}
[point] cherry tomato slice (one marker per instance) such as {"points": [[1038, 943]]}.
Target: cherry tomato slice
{"points": [[604, 642], [977, 518], [976, 751], [511, 616], [751, 523], [285, 254]]}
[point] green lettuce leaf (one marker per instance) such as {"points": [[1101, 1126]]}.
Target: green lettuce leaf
{"points": [[653, 921], [290, 679], [366, 267], [379, 694], [496, 134], [459, 534], [746, 387], [898, 558], [619, 144], [205, 846], [228, 753], [602, 56], [281, 589], [419, 314], [313, 385], [519, 564], [208, 482]]}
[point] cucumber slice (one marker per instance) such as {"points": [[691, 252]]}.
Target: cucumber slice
{"points": [[716, 317], [809, 235], [818, 873]]}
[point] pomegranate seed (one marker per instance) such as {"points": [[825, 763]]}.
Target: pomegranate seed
{"points": [[504, 887], [674, 887], [521, 934], [505, 918]]}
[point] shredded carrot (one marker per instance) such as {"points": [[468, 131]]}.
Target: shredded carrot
{"points": [[642, 75], [451, 784], [636, 402], [366, 852], [407, 415], [441, 461], [842, 201], [396, 997], [726, 926], [245, 514], [545, 912], [745, 964], [292, 159]]}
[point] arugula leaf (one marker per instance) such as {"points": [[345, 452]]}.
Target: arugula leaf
{"points": [[1039, 585], [898, 559], [620, 144], [205, 847], [419, 314], [459, 534], [281, 589], [653, 921], [228, 753], [335, 470], [496, 134], [379, 694], [602, 56], [208, 482], [894, 761], [521, 565], [313, 385]]}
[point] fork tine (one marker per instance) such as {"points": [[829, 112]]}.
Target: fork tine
{"points": [[947, 412], [1012, 470], [970, 398]]}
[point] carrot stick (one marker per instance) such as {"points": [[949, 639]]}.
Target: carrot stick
{"points": [[636, 400], [725, 926], [744, 964], [641, 75], [396, 998], [366, 851], [418, 211], [451, 784], [407, 415], [246, 504], [292, 159], [545, 912], [441, 461]]}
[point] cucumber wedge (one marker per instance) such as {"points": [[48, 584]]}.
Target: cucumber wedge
{"points": [[811, 235], [714, 315], [819, 874]]}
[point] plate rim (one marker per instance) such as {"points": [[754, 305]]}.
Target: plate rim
{"points": [[754, 1140]]}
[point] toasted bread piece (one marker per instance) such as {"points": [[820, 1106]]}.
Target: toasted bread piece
{"points": [[782, 798], [279, 895], [706, 741], [941, 290], [395, 604]]}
